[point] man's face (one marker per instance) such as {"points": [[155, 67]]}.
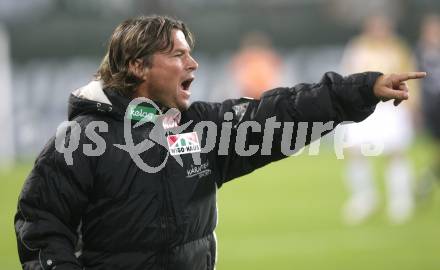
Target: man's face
{"points": [[170, 75]]}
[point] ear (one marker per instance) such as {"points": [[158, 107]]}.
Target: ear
{"points": [[137, 68]]}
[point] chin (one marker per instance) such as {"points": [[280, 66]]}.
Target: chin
{"points": [[183, 105]]}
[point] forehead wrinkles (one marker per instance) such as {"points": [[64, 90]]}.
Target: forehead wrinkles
{"points": [[182, 41]]}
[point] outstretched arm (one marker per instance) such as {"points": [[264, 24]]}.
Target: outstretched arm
{"points": [[333, 100]]}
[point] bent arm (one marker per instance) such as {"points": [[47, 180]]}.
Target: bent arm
{"points": [[49, 211]]}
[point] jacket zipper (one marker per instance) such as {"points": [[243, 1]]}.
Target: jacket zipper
{"points": [[164, 222]]}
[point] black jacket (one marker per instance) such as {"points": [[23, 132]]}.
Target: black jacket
{"points": [[131, 219]]}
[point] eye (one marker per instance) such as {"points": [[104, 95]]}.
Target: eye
{"points": [[179, 54]]}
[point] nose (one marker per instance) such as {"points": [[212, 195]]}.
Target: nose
{"points": [[192, 64]]}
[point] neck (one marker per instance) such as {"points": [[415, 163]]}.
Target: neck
{"points": [[140, 91]]}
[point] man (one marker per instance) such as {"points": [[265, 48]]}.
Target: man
{"points": [[131, 215], [256, 66], [379, 48]]}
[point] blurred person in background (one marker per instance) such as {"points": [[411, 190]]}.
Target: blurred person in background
{"points": [[428, 58], [379, 48], [132, 218], [256, 66]]}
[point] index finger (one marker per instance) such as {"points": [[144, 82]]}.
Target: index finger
{"points": [[411, 76]]}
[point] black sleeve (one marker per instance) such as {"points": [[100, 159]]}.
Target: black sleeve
{"points": [[49, 210], [334, 99]]}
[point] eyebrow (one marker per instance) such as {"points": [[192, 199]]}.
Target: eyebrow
{"points": [[183, 50]]}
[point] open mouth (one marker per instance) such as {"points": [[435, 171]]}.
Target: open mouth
{"points": [[186, 84]]}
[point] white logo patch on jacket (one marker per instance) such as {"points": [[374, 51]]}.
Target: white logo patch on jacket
{"points": [[184, 143]]}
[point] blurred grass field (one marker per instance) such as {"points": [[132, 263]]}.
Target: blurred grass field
{"points": [[288, 216]]}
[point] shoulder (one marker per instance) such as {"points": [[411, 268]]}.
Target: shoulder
{"points": [[202, 111]]}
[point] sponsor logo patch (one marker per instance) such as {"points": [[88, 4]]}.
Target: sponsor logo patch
{"points": [[184, 143], [137, 113], [198, 171]]}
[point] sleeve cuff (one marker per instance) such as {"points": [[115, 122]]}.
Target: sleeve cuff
{"points": [[367, 92]]}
